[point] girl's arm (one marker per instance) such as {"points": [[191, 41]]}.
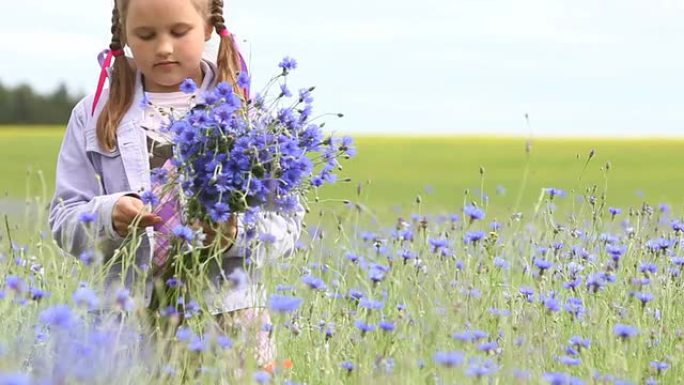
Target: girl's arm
{"points": [[277, 232], [78, 195]]}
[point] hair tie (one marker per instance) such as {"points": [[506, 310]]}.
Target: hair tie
{"points": [[223, 32], [106, 59]]}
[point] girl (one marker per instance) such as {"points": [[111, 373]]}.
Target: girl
{"points": [[113, 140]]}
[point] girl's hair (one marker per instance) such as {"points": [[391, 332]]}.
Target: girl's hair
{"points": [[122, 78]]}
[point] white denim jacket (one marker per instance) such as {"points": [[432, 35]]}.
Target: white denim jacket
{"points": [[91, 180]]}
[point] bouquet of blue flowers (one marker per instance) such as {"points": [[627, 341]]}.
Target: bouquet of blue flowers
{"points": [[234, 155]]}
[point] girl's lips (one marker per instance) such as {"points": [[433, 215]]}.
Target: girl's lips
{"points": [[166, 64]]}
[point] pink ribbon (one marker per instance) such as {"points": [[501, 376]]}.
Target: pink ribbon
{"points": [[104, 64]]}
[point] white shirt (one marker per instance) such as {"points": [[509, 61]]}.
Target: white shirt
{"points": [[161, 107]]}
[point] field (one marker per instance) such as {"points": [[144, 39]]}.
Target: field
{"points": [[395, 170], [507, 283]]}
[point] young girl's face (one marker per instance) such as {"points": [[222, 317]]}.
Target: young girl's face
{"points": [[167, 39]]}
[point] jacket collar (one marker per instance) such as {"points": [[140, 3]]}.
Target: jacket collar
{"points": [[131, 142]]}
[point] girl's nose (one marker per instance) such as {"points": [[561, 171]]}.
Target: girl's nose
{"points": [[165, 47]]}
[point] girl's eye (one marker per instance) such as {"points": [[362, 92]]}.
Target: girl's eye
{"points": [[180, 33], [146, 37]]}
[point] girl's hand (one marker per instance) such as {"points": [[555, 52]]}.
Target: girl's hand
{"points": [[126, 209], [227, 232]]}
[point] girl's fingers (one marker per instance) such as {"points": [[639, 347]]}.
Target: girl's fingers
{"points": [[149, 219]]}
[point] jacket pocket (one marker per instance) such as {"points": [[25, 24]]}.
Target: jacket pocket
{"points": [[110, 169]]}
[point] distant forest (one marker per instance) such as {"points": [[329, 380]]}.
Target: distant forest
{"points": [[22, 105]]}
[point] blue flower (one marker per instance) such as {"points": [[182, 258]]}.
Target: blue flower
{"points": [[555, 192], [243, 80], [84, 296], [501, 263], [159, 176], [438, 244], [284, 303], [371, 304], [376, 272], [15, 283], [87, 257], [614, 211], [488, 346], [470, 335], [220, 212], [479, 368], [648, 268], [59, 316], [288, 64], [575, 307], [355, 294], [346, 146], [124, 300], [542, 265], [224, 342], [188, 86], [527, 292], [364, 327], [625, 331], [473, 236], [184, 334], [596, 282], [262, 377], [570, 361], [659, 366], [644, 297], [149, 198], [561, 379], [449, 359], [36, 294], [305, 95], [387, 326], [87, 217], [314, 282], [197, 344], [580, 342], [615, 251], [174, 282], [15, 379], [572, 284], [473, 213], [347, 365], [551, 304], [659, 244], [183, 232], [284, 91], [677, 226], [267, 238]]}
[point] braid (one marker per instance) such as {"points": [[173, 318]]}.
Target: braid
{"points": [[217, 20], [116, 31], [228, 61], [121, 88]]}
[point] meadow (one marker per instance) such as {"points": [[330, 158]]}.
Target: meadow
{"points": [[543, 262], [395, 170]]}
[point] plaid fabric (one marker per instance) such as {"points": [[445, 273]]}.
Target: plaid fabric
{"points": [[169, 210]]}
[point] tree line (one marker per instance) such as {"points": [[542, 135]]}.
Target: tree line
{"points": [[22, 105]]}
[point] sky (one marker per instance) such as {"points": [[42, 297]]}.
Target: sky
{"points": [[574, 67]]}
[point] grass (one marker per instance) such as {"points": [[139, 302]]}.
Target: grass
{"points": [[393, 171], [527, 285]]}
